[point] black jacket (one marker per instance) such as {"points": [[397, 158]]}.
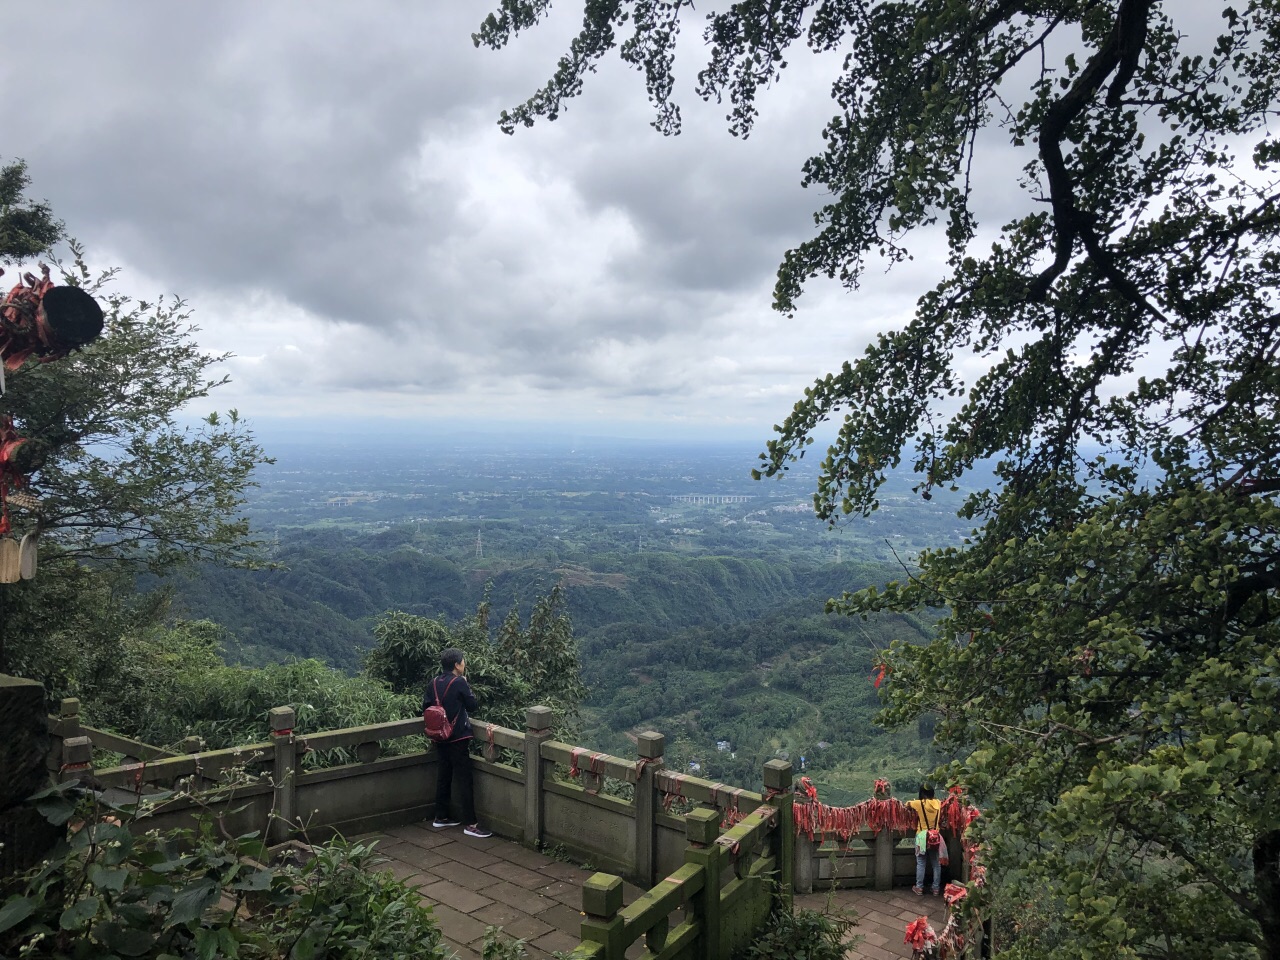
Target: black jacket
{"points": [[457, 699]]}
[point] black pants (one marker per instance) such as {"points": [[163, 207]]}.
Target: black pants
{"points": [[454, 767]]}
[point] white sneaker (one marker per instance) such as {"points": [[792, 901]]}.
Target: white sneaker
{"points": [[441, 824], [475, 830]]}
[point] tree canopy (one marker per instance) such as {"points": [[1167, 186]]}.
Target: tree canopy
{"points": [[27, 227], [1106, 660], [122, 483]]}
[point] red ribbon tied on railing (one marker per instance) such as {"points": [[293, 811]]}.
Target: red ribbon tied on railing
{"points": [[876, 814], [920, 935]]}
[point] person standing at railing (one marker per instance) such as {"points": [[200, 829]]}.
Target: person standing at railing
{"points": [[451, 692], [928, 813]]}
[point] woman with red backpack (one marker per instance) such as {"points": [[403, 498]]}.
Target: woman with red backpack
{"points": [[445, 717]]}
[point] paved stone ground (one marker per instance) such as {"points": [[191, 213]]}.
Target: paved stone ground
{"points": [[882, 918], [474, 884]]}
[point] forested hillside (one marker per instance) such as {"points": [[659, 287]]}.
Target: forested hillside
{"points": [[706, 648]]}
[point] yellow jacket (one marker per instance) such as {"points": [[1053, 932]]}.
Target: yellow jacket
{"points": [[927, 809]]}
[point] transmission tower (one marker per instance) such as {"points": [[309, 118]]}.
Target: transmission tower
{"points": [[479, 546]]}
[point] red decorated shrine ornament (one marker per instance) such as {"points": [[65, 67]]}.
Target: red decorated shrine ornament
{"points": [[40, 319], [920, 936], [10, 478], [43, 321]]}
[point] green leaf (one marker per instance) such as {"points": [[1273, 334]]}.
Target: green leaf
{"points": [[57, 809], [79, 914], [127, 941], [106, 878], [191, 902], [258, 880], [206, 943], [14, 911]]}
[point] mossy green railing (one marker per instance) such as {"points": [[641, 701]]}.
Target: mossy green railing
{"points": [[722, 852], [724, 887]]}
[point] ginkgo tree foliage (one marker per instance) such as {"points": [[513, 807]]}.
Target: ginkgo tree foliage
{"points": [[1105, 662]]}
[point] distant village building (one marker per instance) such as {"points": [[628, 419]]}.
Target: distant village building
{"points": [[722, 746], [709, 498]]}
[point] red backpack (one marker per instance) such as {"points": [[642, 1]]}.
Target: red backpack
{"points": [[435, 722]]}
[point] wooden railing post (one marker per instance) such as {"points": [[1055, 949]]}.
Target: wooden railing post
{"points": [[601, 901], [650, 747], [537, 731], [284, 773], [701, 828], [777, 785]]}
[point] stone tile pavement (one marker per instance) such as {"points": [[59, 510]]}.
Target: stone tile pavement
{"points": [[474, 884], [882, 918]]}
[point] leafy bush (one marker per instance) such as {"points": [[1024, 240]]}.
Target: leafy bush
{"points": [[802, 935], [109, 892]]}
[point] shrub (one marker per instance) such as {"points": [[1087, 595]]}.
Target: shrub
{"points": [[108, 891]]}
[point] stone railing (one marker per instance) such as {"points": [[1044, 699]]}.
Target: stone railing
{"points": [[628, 832], [710, 856], [633, 837], [875, 859], [725, 887], [721, 861]]}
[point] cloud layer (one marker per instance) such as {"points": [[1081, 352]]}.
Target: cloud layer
{"points": [[327, 186]]}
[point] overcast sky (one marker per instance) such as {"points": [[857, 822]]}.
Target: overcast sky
{"points": [[326, 184]]}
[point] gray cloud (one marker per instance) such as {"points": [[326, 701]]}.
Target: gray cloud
{"points": [[327, 184]]}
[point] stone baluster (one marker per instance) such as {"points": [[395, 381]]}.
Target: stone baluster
{"points": [[701, 828], [650, 747], [601, 901], [284, 772], [884, 859], [25, 836], [77, 759], [65, 724], [777, 784], [537, 731]]}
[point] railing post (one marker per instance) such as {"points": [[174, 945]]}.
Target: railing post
{"points": [[67, 725], [777, 785], [803, 879], [77, 759], [650, 747], [959, 869], [601, 901], [701, 827], [537, 731], [284, 772], [25, 756], [884, 859]]}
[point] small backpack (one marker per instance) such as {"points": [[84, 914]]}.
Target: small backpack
{"points": [[930, 837], [435, 722]]}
